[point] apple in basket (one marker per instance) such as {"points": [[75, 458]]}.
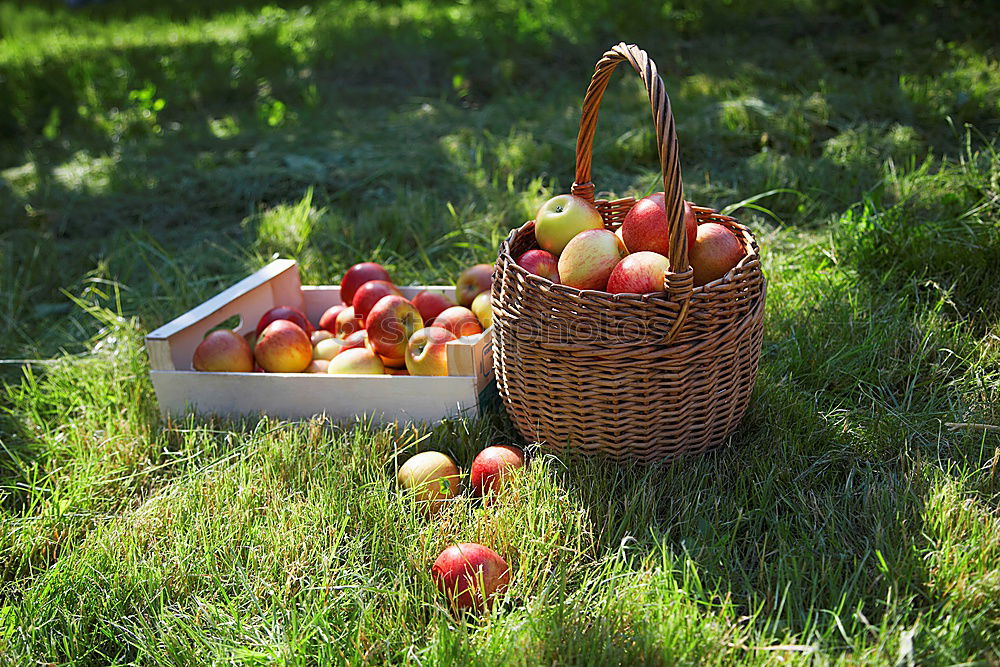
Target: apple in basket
{"points": [[283, 347], [427, 351], [430, 304], [223, 351], [563, 217], [390, 324], [716, 250], [432, 478], [460, 321], [358, 275], [589, 258], [492, 465], [472, 282], [540, 262], [639, 273], [471, 576], [645, 225]]}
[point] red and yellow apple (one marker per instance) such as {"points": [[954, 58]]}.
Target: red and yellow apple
{"points": [[640, 273], [460, 321], [470, 576], [589, 258], [317, 366], [356, 339], [327, 349], [473, 281], [715, 251], [283, 347], [370, 293], [223, 351], [284, 313], [358, 275], [318, 335], [328, 320], [356, 361], [432, 477], [427, 351], [645, 225], [482, 308], [492, 465], [431, 304], [348, 323], [540, 262], [390, 324], [561, 218]]}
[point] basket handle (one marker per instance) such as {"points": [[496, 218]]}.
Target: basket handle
{"points": [[666, 142]]}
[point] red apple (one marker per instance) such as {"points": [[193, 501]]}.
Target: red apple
{"points": [[283, 347], [492, 465], [223, 351], [563, 217], [369, 294], [328, 320], [430, 304], [356, 339], [540, 262], [470, 575], [348, 323], [432, 477], [472, 282], [460, 321], [645, 225], [639, 273], [427, 351], [588, 259], [358, 275], [390, 325], [356, 361], [715, 251], [284, 313]]}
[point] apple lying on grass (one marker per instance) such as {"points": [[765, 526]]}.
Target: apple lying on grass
{"points": [[432, 477], [492, 465], [589, 258], [471, 576], [390, 324], [430, 304], [715, 251], [473, 281], [283, 347], [639, 273], [371, 293], [427, 351], [356, 361], [223, 351], [561, 218], [284, 313], [541, 263], [645, 226], [482, 308], [460, 321], [358, 275]]}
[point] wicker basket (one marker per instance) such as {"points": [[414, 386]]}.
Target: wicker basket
{"points": [[644, 377]]}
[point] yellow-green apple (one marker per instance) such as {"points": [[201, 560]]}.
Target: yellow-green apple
{"points": [[284, 313], [460, 321], [223, 351], [369, 294], [540, 262], [283, 347], [390, 325], [317, 366], [427, 351], [318, 335], [358, 275], [471, 576], [348, 323], [640, 273], [589, 258], [327, 349], [430, 304], [492, 465], [328, 320], [356, 361], [645, 225], [482, 307], [563, 217], [473, 281], [432, 477], [715, 251]]}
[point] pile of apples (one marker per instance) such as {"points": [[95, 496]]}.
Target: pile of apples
{"points": [[374, 331], [575, 249], [470, 575]]}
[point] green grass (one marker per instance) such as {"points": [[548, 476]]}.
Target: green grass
{"points": [[150, 157]]}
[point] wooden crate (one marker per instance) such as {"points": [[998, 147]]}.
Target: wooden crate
{"points": [[180, 389]]}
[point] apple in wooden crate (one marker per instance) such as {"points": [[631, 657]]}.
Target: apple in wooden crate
{"points": [[327, 349], [390, 324], [432, 477], [223, 351], [589, 258], [356, 361], [371, 293], [640, 273], [471, 576], [541, 263], [284, 313], [492, 465], [645, 226], [460, 321], [328, 320], [283, 347], [317, 366], [318, 335], [482, 308], [561, 218], [430, 304], [358, 275], [348, 323], [715, 251], [473, 281], [427, 351]]}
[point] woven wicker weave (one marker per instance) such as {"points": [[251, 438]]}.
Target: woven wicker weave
{"points": [[645, 377]]}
